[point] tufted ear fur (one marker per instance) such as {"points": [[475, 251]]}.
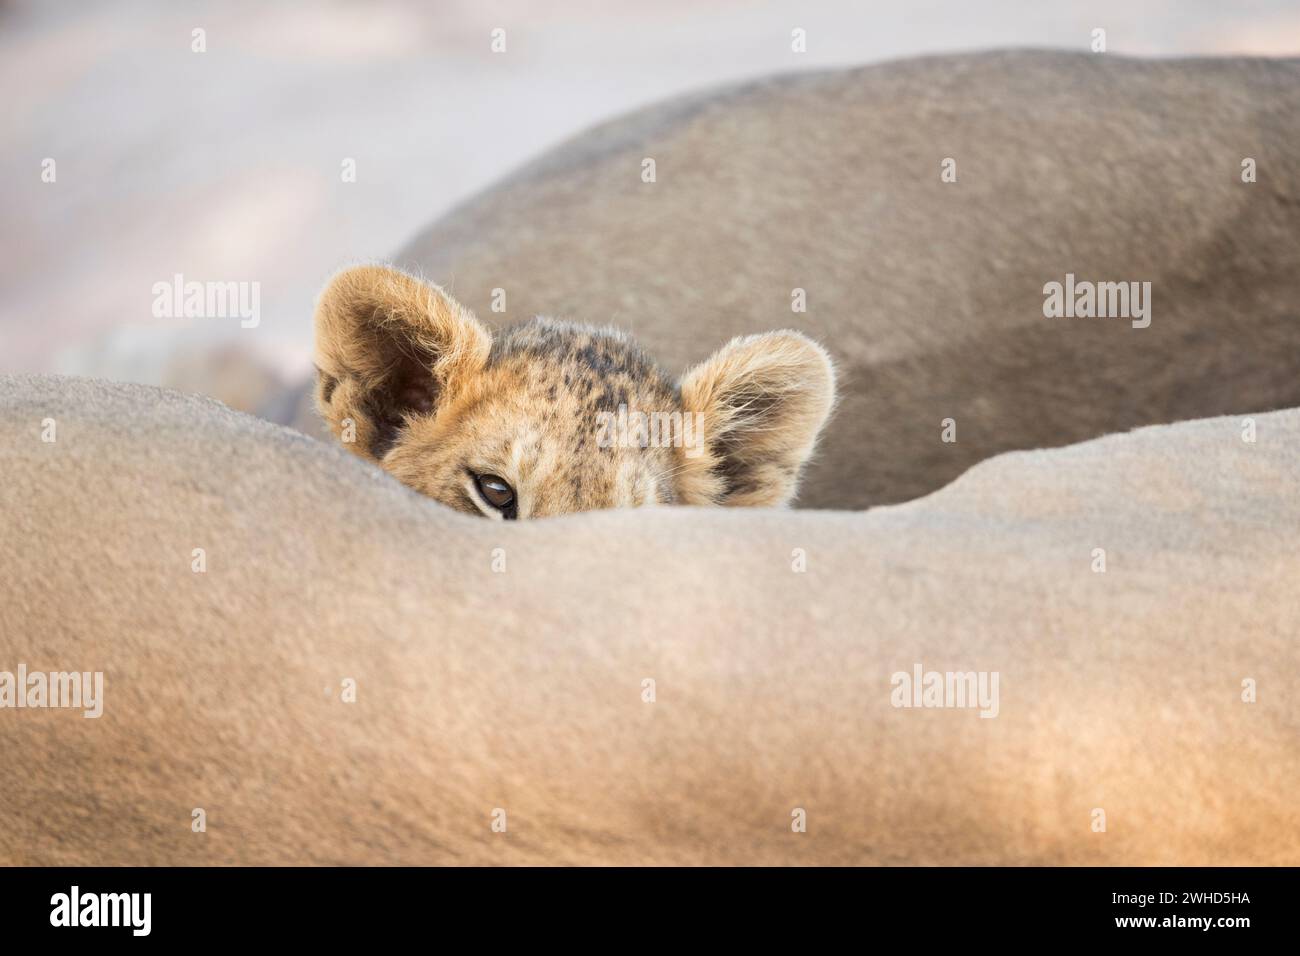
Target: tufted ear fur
{"points": [[388, 347], [763, 400]]}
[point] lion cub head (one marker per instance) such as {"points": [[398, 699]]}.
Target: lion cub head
{"points": [[548, 417]]}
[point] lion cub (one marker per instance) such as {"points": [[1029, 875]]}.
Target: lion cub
{"points": [[549, 417]]}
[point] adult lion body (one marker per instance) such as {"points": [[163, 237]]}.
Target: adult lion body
{"points": [[503, 666]]}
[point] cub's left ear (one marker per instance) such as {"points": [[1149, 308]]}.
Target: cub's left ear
{"points": [[762, 399], [389, 347]]}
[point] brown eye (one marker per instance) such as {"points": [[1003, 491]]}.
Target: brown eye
{"points": [[496, 492]]}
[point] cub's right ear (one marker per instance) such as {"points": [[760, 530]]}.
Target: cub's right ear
{"points": [[389, 347]]}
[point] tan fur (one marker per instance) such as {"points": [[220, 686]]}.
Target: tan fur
{"points": [[410, 379], [374, 325], [752, 462], [522, 689], [929, 295]]}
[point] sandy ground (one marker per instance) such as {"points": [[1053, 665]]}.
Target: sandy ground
{"points": [[226, 165]]}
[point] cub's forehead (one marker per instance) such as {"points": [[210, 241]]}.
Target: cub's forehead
{"points": [[582, 369], [545, 387]]}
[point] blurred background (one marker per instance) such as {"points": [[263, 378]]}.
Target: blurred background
{"points": [[226, 165]]}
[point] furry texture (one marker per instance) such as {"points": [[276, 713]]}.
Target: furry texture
{"points": [[410, 379], [929, 295], [521, 689]]}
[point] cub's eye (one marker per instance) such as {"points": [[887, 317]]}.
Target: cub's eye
{"points": [[496, 492]]}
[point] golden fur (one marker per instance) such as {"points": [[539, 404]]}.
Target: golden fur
{"points": [[520, 686], [410, 379]]}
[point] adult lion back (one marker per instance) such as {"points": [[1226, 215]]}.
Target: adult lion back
{"points": [[334, 669], [929, 293]]}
